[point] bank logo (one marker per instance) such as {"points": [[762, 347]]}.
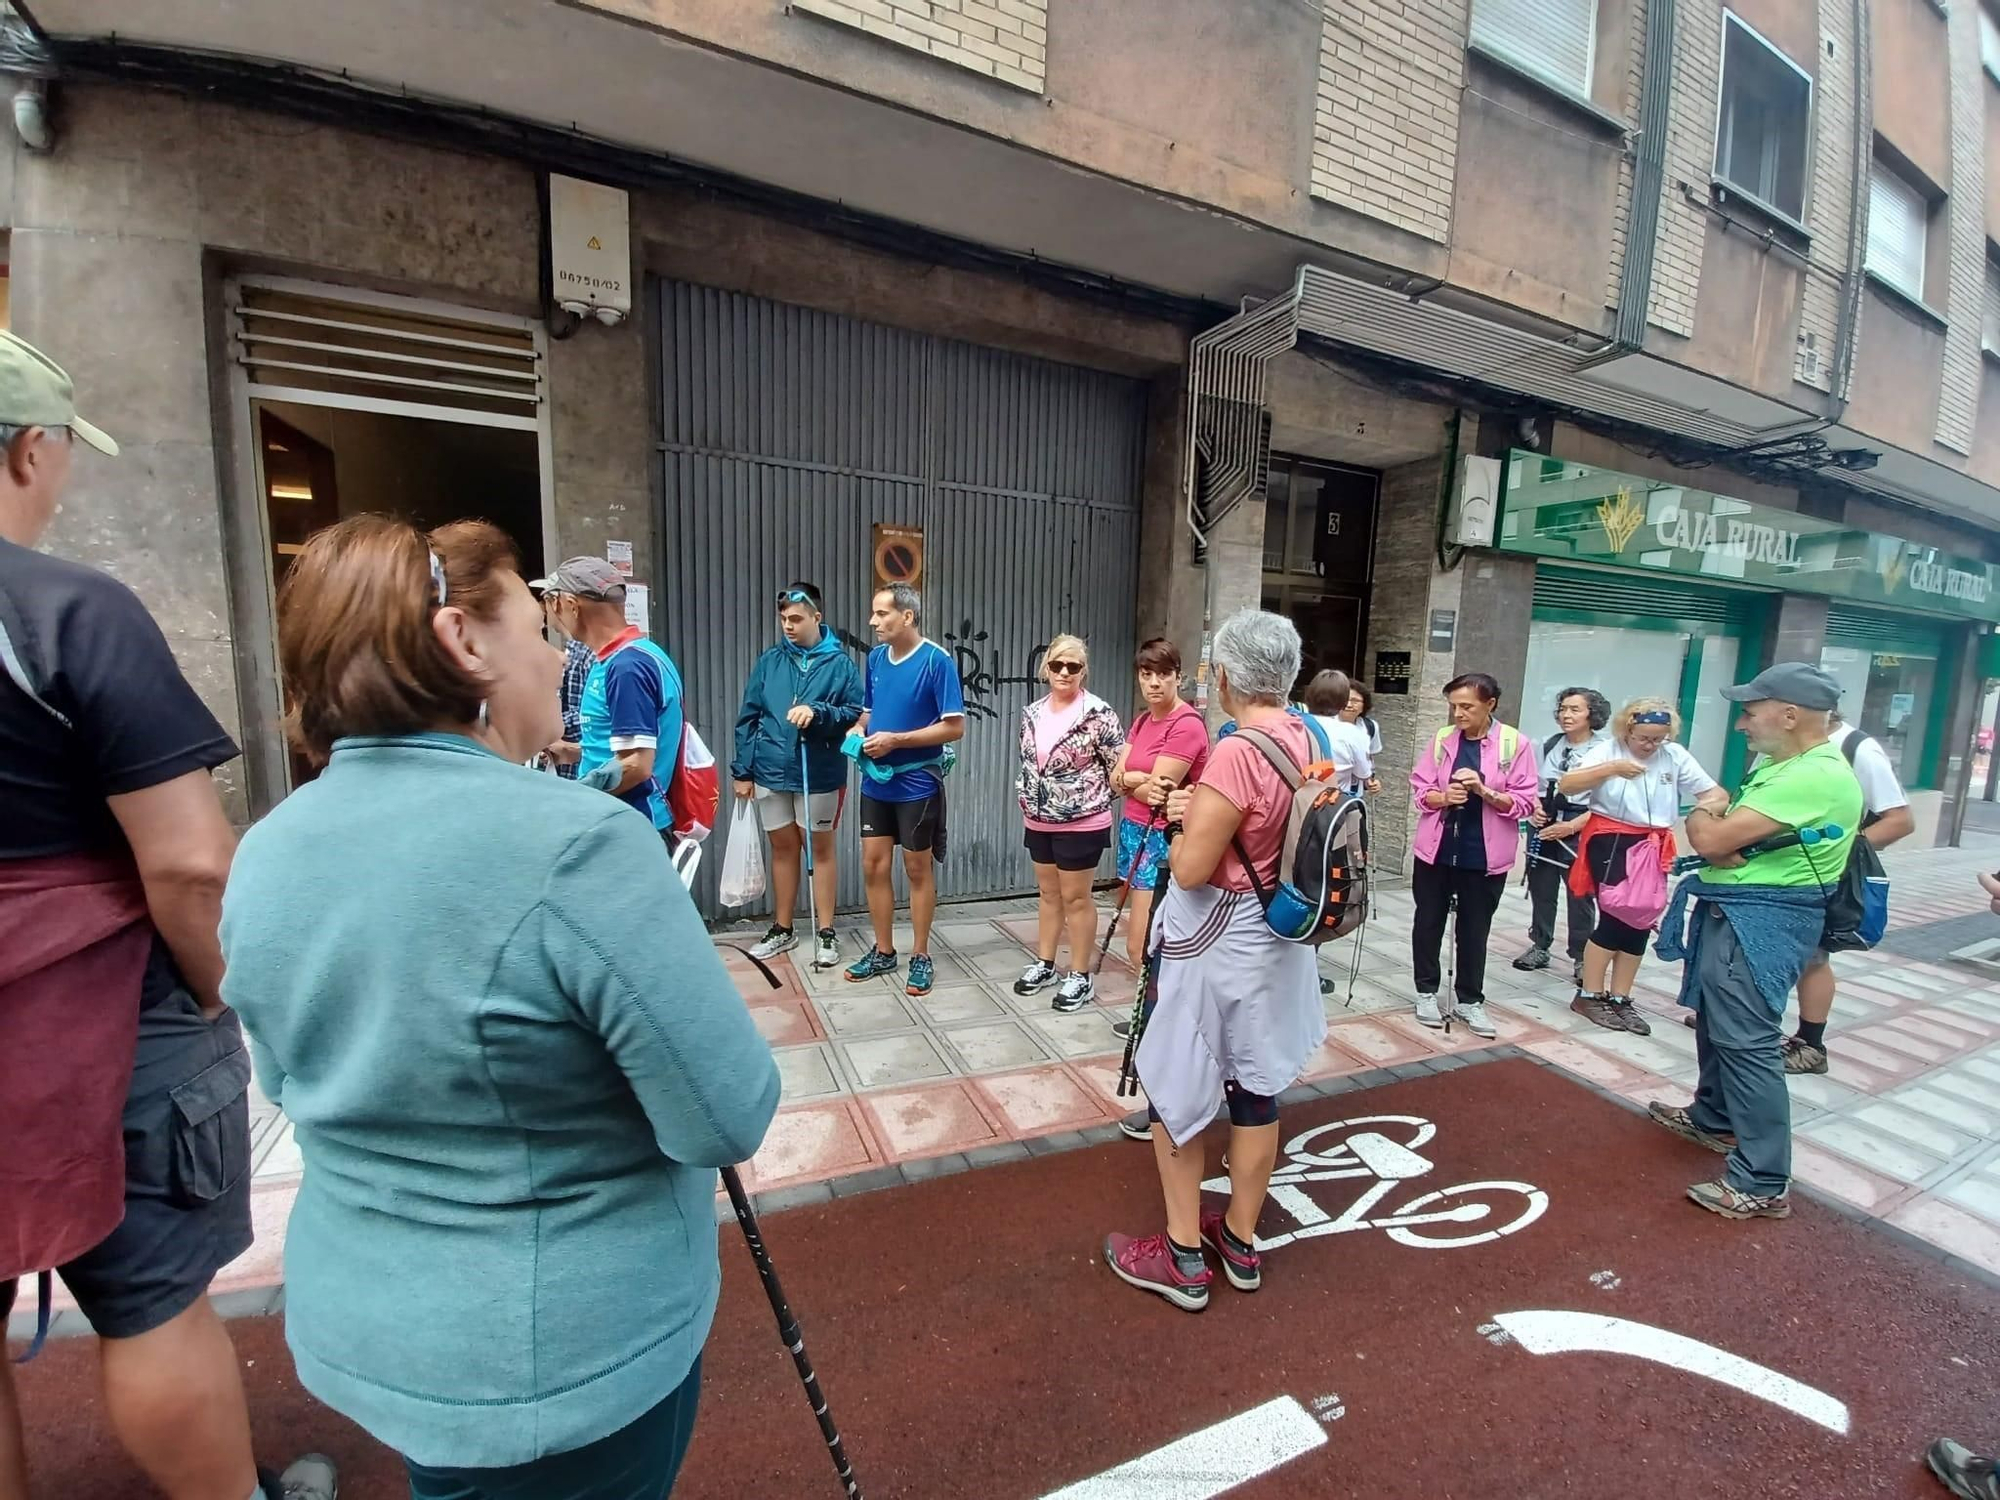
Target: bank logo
{"points": [[1621, 517], [1893, 568]]}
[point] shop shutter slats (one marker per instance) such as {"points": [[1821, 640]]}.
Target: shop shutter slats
{"points": [[1552, 38], [1626, 594], [1872, 630]]}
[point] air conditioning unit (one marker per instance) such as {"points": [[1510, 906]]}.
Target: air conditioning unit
{"points": [[1475, 505]]}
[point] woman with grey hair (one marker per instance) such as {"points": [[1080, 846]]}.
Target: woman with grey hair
{"points": [[1235, 1011]]}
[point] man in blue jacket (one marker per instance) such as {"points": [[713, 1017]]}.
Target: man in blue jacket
{"points": [[803, 696]]}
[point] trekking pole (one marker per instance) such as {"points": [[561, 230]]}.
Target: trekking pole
{"points": [[1128, 1075], [788, 1326], [1448, 1000], [1124, 895], [812, 890]]}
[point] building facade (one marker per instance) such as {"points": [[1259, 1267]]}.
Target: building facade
{"points": [[1632, 343]]}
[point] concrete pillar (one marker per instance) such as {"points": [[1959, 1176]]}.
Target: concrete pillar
{"points": [[1496, 607], [1172, 589], [1797, 630], [1967, 689], [602, 430]]}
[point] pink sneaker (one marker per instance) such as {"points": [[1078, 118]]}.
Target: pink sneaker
{"points": [[1149, 1264], [1244, 1268]]}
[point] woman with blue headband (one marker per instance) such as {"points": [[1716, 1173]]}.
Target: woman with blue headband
{"points": [[1635, 782]]}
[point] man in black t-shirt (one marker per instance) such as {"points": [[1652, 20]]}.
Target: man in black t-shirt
{"points": [[113, 853]]}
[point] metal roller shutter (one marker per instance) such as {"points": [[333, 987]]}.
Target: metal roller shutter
{"points": [[1872, 630], [1637, 594]]}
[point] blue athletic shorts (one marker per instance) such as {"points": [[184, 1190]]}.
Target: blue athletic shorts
{"points": [[1147, 846]]}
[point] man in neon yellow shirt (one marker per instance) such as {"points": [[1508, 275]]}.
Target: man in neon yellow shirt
{"points": [[1758, 919]]}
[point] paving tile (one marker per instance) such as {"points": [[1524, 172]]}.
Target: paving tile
{"points": [[1101, 1076], [1822, 1091], [929, 1121], [812, 1142], [875, 1062], [1037, 1101], [1903, 1043], [1963, 1116], [1085, 1033], [1379, 1044], [1951, 1228], [1877, 1059], [1588, 1062], [974, 937], [1976, 1194], [1971, 1031], [1331, 1060], [1846, 1180], [960, 1002], [806, 1073], [1648, 1088], [1000, 1044], [1639, 1052], [785, 1023], [1919, 1130], [1965, 1085], [1872, 1148], [862, 1013], [1918, 1024], [998, 963], [1986, 1067]]}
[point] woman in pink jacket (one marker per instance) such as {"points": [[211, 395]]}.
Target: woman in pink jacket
{"points": [[1473, 786]]}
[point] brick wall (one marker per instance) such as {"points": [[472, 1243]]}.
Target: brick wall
{"points": [[1385, 133], [1830, 211], [1003, 39], [1958, 394], [1621, 218], [1690, 161]]}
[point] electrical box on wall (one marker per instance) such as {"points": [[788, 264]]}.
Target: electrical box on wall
{"points": [[1475, 503], [590, 249]]}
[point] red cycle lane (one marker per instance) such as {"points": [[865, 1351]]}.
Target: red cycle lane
{"points": [[1483, 1283]]}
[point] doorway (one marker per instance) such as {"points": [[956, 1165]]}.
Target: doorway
{"points": [[348, 403], [1319, 558]]}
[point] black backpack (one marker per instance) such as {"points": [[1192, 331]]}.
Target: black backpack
{"points": [[1857, 904]]}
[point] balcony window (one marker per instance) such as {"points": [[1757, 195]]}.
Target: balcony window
{"points": [[1554, 40], [1760, 143], [1898, 226]]}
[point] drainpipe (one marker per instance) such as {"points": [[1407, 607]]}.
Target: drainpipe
{"points": [[1642, 232], [1847, 335]]}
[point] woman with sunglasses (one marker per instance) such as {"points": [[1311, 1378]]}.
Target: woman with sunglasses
{"points": [[1634, 782], [803, 696], [1070, 744]]}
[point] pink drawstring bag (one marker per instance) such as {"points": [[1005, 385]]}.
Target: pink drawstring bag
{"points": [[1638, 897]]}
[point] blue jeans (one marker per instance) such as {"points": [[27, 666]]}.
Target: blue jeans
{"points": [[1741, 1090], [640, 1461]]}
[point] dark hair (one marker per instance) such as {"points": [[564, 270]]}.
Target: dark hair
{"points": [[355, 645], [1597, 706], [1158, 655], [1327, 692], [810, 590], [1481, 683]]}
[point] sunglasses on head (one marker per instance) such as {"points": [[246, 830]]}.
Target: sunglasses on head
{"points": [[1067, 668], [795, 596]]}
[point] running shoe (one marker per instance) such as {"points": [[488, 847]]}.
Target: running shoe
{"points": [[1077, 991], [1122, 1030], [873, 965], [1682, 1124], [1597, 1009], [826, 950], [1039, 975], [1149, 1263], [1241, 1264], [1964, 1472], [1138, 1125], [1534, 958], [775, 940], [1428, 1013], [923, 974], [309, 1477], [1801, 1056], [1719, 1197], [1628, 1016], [1476, 1020]]}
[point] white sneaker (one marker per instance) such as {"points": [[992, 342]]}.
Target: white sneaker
{"points": [[826, 951], [1476, 1020], [1037, 976], [775, 941], [1077, 991], [1428, 1013]]}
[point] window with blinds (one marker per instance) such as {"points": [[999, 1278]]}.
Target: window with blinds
{"points": [[1761, 137], [1555, 40], [1898, 225]]}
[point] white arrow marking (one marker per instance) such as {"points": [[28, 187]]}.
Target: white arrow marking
{"points": [[1577, 1333], [1211, 1462]]}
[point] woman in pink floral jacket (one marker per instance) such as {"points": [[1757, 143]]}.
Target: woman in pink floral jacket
{"points": [[1069, 742]]}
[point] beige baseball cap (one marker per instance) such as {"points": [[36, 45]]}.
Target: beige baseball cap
{"points": [[35, 391]]}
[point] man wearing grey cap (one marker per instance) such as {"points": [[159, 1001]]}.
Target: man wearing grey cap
{"points": [[124, 1081], [631, 716], [1760, 908]]}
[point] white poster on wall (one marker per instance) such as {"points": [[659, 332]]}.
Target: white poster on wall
{"points": [[619, 555], [639, 607]]}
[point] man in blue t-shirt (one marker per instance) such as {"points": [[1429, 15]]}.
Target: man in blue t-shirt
{"points": [[914, 706], [631, 714]]}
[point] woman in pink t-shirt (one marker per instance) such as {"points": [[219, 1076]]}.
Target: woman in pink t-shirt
{"points": [[1236, 1012], [1167, 748], [1070, 740]]}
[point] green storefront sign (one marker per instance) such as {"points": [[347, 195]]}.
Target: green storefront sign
{"points": [[1581, 513]]}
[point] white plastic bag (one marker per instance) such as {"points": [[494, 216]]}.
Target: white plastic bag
{"points": [[743, 858]]}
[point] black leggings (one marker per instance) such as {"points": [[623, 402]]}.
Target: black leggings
{"points": [[1607, 854]]}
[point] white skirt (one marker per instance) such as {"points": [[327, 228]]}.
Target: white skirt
{"points": [[1236, 1002]]}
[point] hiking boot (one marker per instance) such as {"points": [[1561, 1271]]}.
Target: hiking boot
{"points": [[1963, 1472], [1138, 1125], [1077, 991], [775, 940], [1687, 1019], [826, 950], [923, 974], [1801, 1056], [310, 1477], [1682, 1124], [1151, 1265], [1627, 1016], [1534, 958], [1039, 975], [1476, 1020], [1719, 1197], [1428, 1013], [1596, 1009], [871, 965], [1241, 1264]]}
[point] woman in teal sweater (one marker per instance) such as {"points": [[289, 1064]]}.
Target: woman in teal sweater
{"points": [[511, 1055]]}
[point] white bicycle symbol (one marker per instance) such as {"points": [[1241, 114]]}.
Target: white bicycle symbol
{"points": [[1384, 1147]]}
